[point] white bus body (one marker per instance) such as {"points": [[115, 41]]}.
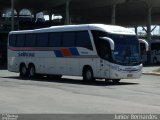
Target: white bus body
{"points": [[110, 52]]}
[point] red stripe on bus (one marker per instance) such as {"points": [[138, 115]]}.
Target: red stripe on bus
{"points": [[66, 52]]}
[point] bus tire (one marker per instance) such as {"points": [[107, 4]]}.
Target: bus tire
{"points": [[54, 76], [23, 71], [88, 74], [57, 76], [32, 71], [115, 81], [107, 80]]}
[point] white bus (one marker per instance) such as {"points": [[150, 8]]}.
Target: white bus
{"points": [[143, 46], [154, 56], [92, 51], [155, 51]]}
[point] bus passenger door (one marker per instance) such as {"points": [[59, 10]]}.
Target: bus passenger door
{"points": [[105, 57], [104, 68]]}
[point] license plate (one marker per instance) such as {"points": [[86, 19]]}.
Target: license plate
{"points": [[129, 75]]}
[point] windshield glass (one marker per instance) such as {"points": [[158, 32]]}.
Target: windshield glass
{"points": [[126, 49]]}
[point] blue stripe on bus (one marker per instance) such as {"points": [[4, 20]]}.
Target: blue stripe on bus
{"points": [[74, 51], [58, 53]]}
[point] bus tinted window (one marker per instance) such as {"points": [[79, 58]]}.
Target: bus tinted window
{"points": [[20, 41], [12, 40], [55, 39], [30, 40], [42, 40], [102, 46], [68, 39], [83, 40]]}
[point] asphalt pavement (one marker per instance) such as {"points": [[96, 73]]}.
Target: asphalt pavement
{"points": [[70, 95]]}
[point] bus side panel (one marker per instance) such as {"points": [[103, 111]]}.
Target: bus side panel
{"points": [[46, 63], [13, 63], [73, 66]]}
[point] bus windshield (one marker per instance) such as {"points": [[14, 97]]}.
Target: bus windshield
{"points": [[126, 49]]}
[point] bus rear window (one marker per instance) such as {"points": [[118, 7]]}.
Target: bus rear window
{"points": [[12, 40]]}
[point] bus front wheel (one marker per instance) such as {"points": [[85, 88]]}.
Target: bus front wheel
{"points": [[88, 75]]}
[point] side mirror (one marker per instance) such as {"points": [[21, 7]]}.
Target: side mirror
{"points": [[145, 43], [111, 42]]}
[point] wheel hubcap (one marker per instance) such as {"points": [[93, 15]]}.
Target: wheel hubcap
{"points": [[88, 75], [32, 71], [23, 70]]}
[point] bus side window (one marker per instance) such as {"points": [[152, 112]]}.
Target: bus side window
{"points": [[83, 40], [20, 40], [104, 49], [68, 39], [102, 46], [12, 40], [30, 40], [55, 39], [42, 40], [142, 48]]}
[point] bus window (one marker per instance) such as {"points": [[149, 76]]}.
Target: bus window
{"points": [[42, 40], [68, 39], [83, 40], [30, 40], [12, 40], [142, 49], [102, 46], [55, 39], [20, 40]]}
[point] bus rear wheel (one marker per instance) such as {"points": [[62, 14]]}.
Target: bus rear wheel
{"points": [[88, 75], [54, 76], [32, 71], [115, 81], [23, 71]]}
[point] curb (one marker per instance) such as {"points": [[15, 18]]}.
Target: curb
{"points": [[152, 73]]}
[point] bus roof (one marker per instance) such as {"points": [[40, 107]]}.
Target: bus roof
{"points": [[102, 27]]}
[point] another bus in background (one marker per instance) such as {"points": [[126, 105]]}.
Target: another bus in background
{"points": [[144, 47], [155, 51], [153, 57]]}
